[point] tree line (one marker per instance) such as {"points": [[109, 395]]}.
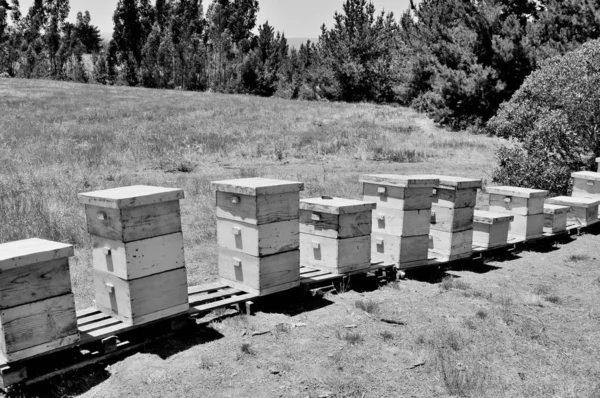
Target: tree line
{"points": [[457, 60]]}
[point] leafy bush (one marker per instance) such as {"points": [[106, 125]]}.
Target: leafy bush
{"points": [[552, 121]]}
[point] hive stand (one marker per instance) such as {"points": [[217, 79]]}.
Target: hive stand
{"points": [[555, 218], [138, 258], [490, 230], [527, 207], [258, 234], [401, 221], [335, 234], [451, 229], [37, 308], [582, 211]]}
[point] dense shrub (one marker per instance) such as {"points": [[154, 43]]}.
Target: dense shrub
{"points": [[553, 122]]}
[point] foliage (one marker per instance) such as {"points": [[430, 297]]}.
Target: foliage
{"points": [[553, 121]]}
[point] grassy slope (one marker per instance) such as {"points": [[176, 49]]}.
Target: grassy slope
{"points": [[526, 325]]}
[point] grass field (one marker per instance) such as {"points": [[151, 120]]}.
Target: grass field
{"points": [[524, 325]]}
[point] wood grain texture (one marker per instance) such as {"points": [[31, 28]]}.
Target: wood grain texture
{"points": [[258, 210], [336, 205], [31, 251], [583, 211], [452, 198], [35, 282], [516, 205], [555, 209], [46, 323], [583, 188], [127, 197], [258, 240], [399, 250], [490, 235], [393, 180], [555, 222], [456, 183], [527, 227], [257, 186], [451, 244], [334, 225], [136, 223], [451, 220], [140, 258], [130, 301], [331, 254], [251, 292], [259, 273], [488, 217], [401, 222], [518, 192], [398, 198]]}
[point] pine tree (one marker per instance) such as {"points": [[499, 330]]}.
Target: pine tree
{"points": [[88, 34], [128, 30]]}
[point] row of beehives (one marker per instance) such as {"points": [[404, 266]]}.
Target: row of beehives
{"points": [[265, 233]]}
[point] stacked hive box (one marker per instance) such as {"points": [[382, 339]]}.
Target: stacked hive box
{"points": [[138, 258], [335, 234], [527, 207], [37, 307], [402, 219], [454, 200], [582, 211], [490, 230], [258, 234], [555, 218], [586, 184]]}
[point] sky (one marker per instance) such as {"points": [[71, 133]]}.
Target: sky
{"points": [[296, 18]]}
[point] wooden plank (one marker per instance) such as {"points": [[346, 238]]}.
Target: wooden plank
{"points": [[402, 181], [488, 236], [133, 196], [339, 206], [335, 226], [517, 192], [258, 210], [227, 292], [10, 375], [451, 244], [455, 199], [91, 319], [257, 186], [451, 220], [263, 292], [138, 259], [86, 312], [222, 303], [399, 250], [527, 227], [258, 240], [31, 251], [401, 222], [516, 205], [206, 288], [398, 198], [34, 282], [329, 254]]}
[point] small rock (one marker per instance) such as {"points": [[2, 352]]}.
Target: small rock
{"points": [[350, 326], [274, 371], [300, 324]]}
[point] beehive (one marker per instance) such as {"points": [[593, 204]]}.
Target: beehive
{"points": [[335, 234], [555, 218], [452, 210], [490, 230], [582, 211], [138, 258], [586, 184], [402, 219], [527, 207], [258, 234], [37, 309]]}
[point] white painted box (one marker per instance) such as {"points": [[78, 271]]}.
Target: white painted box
{"points": [[555, 218], [398, 192], [450, 246], [586, 184], [517, 201], [490, 230], [583, 211], [405, 252]]}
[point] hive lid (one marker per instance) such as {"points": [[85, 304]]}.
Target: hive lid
{"points": [[126, 197], [587, 175], [488, 217], [571, 201], [555, 209], [31, 251], [257, 186], [452, 182], [518, 192], [332, 205], [410, 181]]}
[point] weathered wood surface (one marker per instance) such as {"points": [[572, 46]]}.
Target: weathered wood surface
{"points": [[258, 240], [516, 205], [127, 197], [402, 181], [257, 186], [135, 223], [452, 198], [555, 222], [336, 205], [132, 302], [456, 183], [518, 192], [140, 258], [401, 222], [399, 250], [332, 254], [451, 244], [398, 198], [488, 217], [451, 220], [527, 227], [334, 225], [31, 251], [491, 234], [38, 327], [555, 209], [583, 211], [258, 210], [258, 274], [35, 282]]}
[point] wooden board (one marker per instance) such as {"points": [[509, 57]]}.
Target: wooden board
{"points": [[127, 197], [257, 186], [258, 274], [401, 181], [516, 205], [258, 210], [132, 301], [490, 235], [555, 222], [517, 192], [451, 219], [38, 327], [35, 282], [583, 211], [399, 250], [451, 244], [31, 251], [135, 223], [527, 227], [260, 292], [332, 254], [398, 198], [452, 198], [140, 258], [401, 222], [258, 240], [487, 217], [331, 205], [336, 226]]}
